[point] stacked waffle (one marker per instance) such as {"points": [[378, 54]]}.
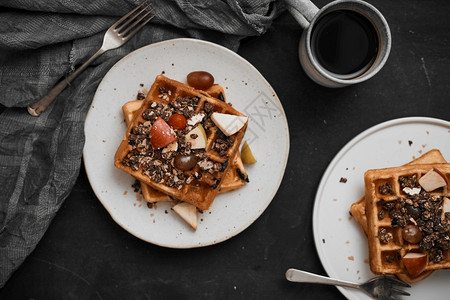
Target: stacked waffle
{"points": [[405, 215], [217, 166]]}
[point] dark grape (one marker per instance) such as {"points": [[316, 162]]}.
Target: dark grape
{"points": [[200, 80], [185, 162], [413, 211], [412, 234]]}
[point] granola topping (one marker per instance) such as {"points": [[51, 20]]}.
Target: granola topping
{"points": [[158, 164], [424, 211]]}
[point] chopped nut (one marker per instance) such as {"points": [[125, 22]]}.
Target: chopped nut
{"points": [[411, 191], [205, 164]]}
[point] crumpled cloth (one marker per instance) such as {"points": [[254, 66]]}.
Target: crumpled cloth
{"points": [[41, 42]]}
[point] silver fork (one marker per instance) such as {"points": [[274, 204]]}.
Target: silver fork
{"points": [[117, 35], [380, 287]]}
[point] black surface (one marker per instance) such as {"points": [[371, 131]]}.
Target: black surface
{"points": [[86, 255]]}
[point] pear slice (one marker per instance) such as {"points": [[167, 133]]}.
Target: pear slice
{"points": [[187, 212], [228, 124], [247, 154], [197, 137]]}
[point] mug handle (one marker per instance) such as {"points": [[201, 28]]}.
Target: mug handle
{"points": [[303, 11]]}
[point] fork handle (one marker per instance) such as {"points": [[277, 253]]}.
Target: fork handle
{"points": [[295, 275], [37, 108]]}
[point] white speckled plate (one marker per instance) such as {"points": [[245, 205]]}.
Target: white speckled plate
{"points": [[245, 88], [340, 242]]}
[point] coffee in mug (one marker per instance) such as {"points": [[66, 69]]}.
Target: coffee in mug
{"points": [[345, 42]]}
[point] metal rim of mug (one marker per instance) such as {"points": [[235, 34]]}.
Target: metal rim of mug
{"points": [[379, 63]]}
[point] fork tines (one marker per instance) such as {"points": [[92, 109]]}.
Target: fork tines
{"points": [[394, 287], [141, 15]]}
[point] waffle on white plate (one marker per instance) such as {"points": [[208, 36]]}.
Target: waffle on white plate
{"points": [[358, 209], [234, 179], [150, 146], [408, 218]]}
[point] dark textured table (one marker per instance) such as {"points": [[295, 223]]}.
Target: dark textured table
{"points": [[86, 255]]}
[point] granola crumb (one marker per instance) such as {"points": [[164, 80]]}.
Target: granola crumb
{"points": [[140, 96], [385, 189], [384, 236]]}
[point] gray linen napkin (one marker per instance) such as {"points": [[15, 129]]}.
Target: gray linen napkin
{"points": [[41, 42]]}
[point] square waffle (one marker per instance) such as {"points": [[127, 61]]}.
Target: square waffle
{"points": [[232, 180], [358, 209], [386, 244], [200, 185]]}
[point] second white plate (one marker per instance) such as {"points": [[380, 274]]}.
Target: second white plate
{"points": [[340, 242]]}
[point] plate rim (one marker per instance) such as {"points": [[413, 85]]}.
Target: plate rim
{"points": [[338, 156], [275, 97]]}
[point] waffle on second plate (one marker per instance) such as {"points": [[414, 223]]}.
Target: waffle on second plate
{"points": [[396, 199], [358, 209]]}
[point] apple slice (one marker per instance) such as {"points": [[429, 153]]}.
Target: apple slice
{"points": [[161, 134], [432, 180], [197, 137], [228, 124], [187, 212], [415, 263]]}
